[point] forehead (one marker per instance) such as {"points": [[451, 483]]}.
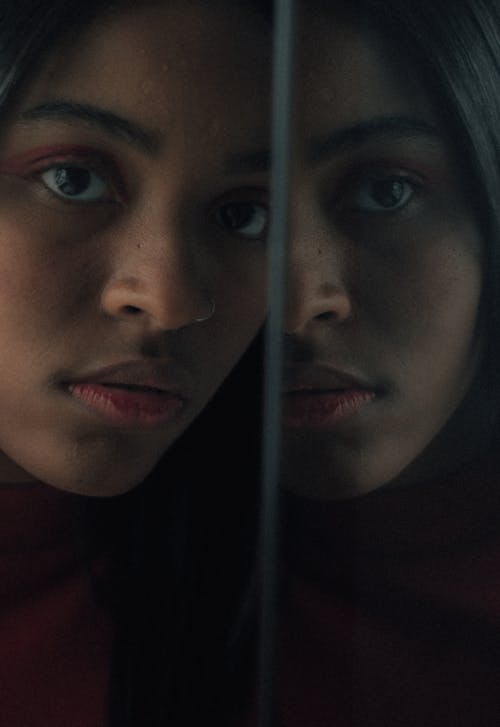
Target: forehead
{"points": [[161, 62], [347, 73]]}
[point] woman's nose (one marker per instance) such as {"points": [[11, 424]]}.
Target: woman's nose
{"points": [[317, 289], [158, 277]]}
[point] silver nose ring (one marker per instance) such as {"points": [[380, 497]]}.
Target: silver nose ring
{"points": [[210, 315]]}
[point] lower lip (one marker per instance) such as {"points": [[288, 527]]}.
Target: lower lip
{"points": [[323, 408], [125, 407]]}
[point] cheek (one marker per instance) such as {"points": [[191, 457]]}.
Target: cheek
{"points": [[428, 296], [27, 273], [45, 281]]}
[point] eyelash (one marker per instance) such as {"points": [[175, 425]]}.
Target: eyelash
{"points": [[106, 170], [357, 182], [103, 169]]}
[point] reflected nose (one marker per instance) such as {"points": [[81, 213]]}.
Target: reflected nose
{"points": [[158, 278], [317, 290]]}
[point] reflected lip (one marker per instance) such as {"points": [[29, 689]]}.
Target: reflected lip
{"points": [[303, 378], [321, 396], [132, 393]]}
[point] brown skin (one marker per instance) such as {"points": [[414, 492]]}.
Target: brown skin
{"points": [[389, 294], [86, 284]]}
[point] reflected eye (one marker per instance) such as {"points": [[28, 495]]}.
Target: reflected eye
{"points": [[72, 182], [247, 219], [383, 194]]}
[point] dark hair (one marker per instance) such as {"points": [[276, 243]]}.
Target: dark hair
{"points": [[168, 538], [183, 546]]}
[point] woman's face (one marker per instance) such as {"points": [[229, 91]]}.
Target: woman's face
{"points": [[127, 209], [385, 276]]}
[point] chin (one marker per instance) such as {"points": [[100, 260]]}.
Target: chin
{"points": [[106, 467], [338, 472], [105, 478]]}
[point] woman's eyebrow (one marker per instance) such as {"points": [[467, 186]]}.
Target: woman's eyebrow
{"points": [[146, 140], [378, 128]]}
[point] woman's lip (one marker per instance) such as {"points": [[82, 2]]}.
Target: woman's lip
{"points": [[163, 375], [323, 408], [128, 407]]}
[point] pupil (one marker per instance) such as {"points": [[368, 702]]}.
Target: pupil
{"points": [[73, 180], [236, 216], [388, 192]]}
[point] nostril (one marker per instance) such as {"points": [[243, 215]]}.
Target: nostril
{"points": [[327, 316], [131, 309]]}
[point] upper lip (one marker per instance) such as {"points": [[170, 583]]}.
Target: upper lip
{"points": [[161, 375], [322, 377]]}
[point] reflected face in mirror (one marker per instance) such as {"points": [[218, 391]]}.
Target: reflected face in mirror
{"points": [[132, 257], [385, 276]]}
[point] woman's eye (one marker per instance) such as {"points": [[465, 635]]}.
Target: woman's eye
{"points": [[247, 219], [73, 182], [382, 194]]}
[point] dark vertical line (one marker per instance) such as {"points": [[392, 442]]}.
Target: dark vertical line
{"points": [[281, 141]]}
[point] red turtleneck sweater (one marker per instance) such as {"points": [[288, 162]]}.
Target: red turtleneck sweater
{"points": [[391, 610], [55, 637]]}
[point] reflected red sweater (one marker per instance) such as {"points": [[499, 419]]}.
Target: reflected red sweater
{"points": [[55, 638], [391, 613]]}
